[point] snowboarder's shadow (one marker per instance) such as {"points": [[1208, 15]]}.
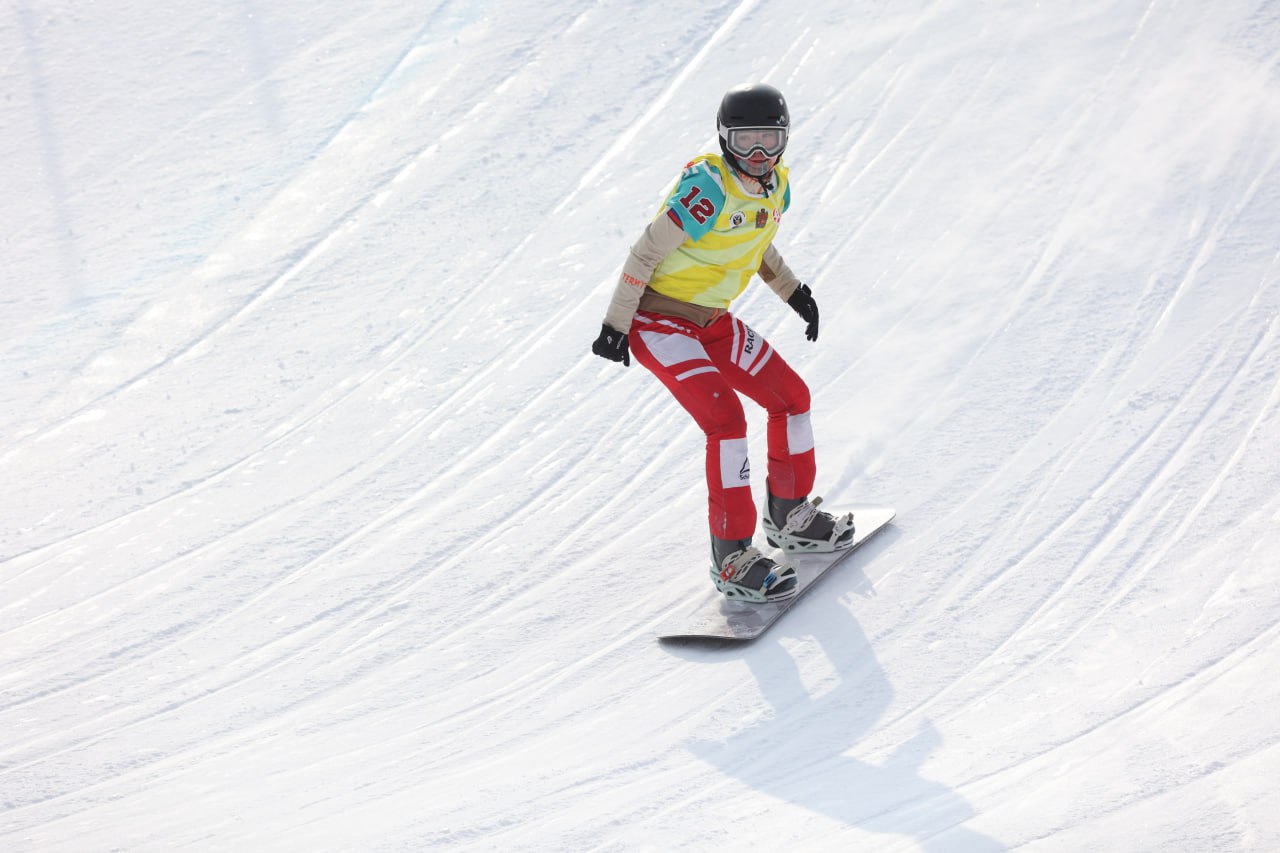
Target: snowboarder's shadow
{"points": [[801, 750]]}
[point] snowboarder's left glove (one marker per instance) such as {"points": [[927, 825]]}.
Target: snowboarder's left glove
{"points": [[612, 345], [803, 303]]}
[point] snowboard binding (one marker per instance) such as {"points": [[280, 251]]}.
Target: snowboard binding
{"points": [[745, 574], [806, 529]]}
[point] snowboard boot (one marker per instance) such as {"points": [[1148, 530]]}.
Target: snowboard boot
{"points": [[742, 573], [796, 525]]}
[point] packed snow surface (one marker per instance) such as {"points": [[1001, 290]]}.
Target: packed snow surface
{"points": [[322, 529]]}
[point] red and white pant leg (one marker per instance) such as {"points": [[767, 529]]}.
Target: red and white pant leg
{"points": [[704, 368], [754, 368]]}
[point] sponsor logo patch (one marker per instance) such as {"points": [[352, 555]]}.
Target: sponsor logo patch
{"points": [[735, 468]]}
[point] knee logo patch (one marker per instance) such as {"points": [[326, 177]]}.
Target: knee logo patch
{"points": [[735, 468], [799, 434]]}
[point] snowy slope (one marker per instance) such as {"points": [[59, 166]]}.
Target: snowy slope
{"points": [[323, 529]]}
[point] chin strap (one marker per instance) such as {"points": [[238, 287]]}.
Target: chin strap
{"points": [[765, 183]]}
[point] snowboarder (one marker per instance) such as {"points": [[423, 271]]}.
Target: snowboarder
{"points": [[670, 309]]}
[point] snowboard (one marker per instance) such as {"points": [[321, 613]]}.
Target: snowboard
{"points": [[718, 618]]}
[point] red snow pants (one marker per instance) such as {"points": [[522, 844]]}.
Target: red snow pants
{"points": [[704, 369]]}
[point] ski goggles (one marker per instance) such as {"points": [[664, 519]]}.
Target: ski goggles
{"points": [[743, 140]]}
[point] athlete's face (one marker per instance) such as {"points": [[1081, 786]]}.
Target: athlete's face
{"points": [[758, 164]]}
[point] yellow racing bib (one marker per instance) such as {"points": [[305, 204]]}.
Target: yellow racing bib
{"points": [[728, 231]]}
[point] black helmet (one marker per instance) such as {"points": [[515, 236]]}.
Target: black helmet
{"points": [[746, 109]]}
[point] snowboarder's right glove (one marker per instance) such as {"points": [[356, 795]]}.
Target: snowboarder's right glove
{"points": [[803, 303], [612, 345]]}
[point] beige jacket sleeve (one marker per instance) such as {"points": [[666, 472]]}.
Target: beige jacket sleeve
{"points": [[776, 274], [660, 238]]}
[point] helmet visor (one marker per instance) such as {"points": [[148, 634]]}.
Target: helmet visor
{"points": [[743, 140]]}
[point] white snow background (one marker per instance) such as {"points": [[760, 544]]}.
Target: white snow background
{"points": [[322, 529]]}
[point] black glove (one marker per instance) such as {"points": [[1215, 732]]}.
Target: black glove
{"points": [[802, 302], [612, 345]]}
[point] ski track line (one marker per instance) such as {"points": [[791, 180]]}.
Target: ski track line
{"points": [[1192, 776], [322, 403], [1088, 562], [905, 70], [38, 563], [1210, 243], [106, 594], [900, 178], [504, 597], [886, 94], [363, 605], [858, 132], [1108, 365], [1210, 670], [248, 737], [626, 139], [522, 692], [424, 335], [1212, 364], [1065, 460], [1141, 449], [141, 310], [1201, 774], [221, 541], [412, 578], [459, 467], [297, 261], [145, 715], [536, 821], [1083, 108], [802, 44], [1077, 128], [999, 328], [1091, 557], [392, 515], [496, 364], [344, 221], [704, 790], [197, 629], [1082, 445], [1164, 697], [246, 94], [663, 793], [852, 140], [1028, 502], [1195, 435], [531, 695]]}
